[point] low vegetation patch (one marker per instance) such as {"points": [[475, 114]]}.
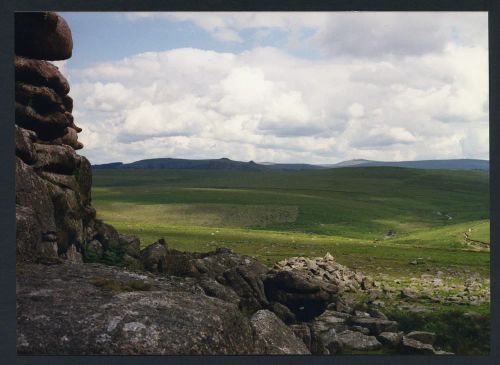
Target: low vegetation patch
{"points": [[122, 286], [461, 331]]}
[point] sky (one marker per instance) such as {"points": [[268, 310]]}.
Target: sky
{"points": [[317, 87]]}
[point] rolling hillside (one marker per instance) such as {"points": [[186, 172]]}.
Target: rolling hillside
{"points": [[227, 164]]}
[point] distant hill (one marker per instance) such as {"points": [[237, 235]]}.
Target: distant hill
{"points": [[459, 164], [227, 164], [181, 164]]}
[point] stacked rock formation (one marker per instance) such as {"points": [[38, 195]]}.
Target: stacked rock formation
{"points": [[54, 216]]}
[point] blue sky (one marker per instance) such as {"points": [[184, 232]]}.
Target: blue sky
{"points": [[282, 87]]}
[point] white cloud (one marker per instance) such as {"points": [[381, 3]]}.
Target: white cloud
{"points": [[425, 99]]}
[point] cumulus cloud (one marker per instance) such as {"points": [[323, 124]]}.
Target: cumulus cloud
{"points": [[427, 98]]}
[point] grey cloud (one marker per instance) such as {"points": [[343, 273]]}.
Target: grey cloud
{"points": [[368, 34]]}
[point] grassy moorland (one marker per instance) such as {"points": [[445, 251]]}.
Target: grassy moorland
{"points": [[348, 212], [275, 214]]}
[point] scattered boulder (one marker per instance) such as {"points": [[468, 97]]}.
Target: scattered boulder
{"points": [[358, 341], [375, 325], [422, 336], [407, 293], [390, 339], [412, 346], [273, 337]]}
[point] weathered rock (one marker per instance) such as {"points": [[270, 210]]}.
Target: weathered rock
{"points": [[363, 330], [283, 313], [126, 313], [153, 257], [242, 274], [407, 293], [412, 346], [131, 262], [42, 35], [93, 250], [335, 347], [32, 192], [422, 336], [47, 126], [373, 312], [59, 159], [68, 214], [131, 244], [390, 339], [72, 255], [212, 288], [273, 337], [68, 104], [40, 73], [31, 244], [62, 180], [24, 145], [41, 98], [83, 176], [107, 235], [303, 332], [71, 139], [357, 341], [304, 296], [375, 325], [325, 269], [249, 287]]}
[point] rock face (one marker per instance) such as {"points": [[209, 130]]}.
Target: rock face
{"points": [[54, 216], [123, 313]]}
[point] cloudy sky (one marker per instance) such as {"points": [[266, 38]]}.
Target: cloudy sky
{"points": [[280, 87]]}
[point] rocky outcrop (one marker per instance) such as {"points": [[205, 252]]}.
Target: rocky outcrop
{"points": [[328, 271], [121, 312], [52, 181]]}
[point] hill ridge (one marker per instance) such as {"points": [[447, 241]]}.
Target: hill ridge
{"points": [[225, 163]]}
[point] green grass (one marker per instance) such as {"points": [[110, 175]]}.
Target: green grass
{"points": [[276, 214]]}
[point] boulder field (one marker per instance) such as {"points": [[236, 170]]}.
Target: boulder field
{"points": [[85, 289]]}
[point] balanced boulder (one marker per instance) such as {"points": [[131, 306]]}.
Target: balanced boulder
{"points": [[42, 35]]}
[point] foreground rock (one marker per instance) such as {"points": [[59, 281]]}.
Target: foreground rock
{"points": [[241, 277], [129, 313], [273, 337]]}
